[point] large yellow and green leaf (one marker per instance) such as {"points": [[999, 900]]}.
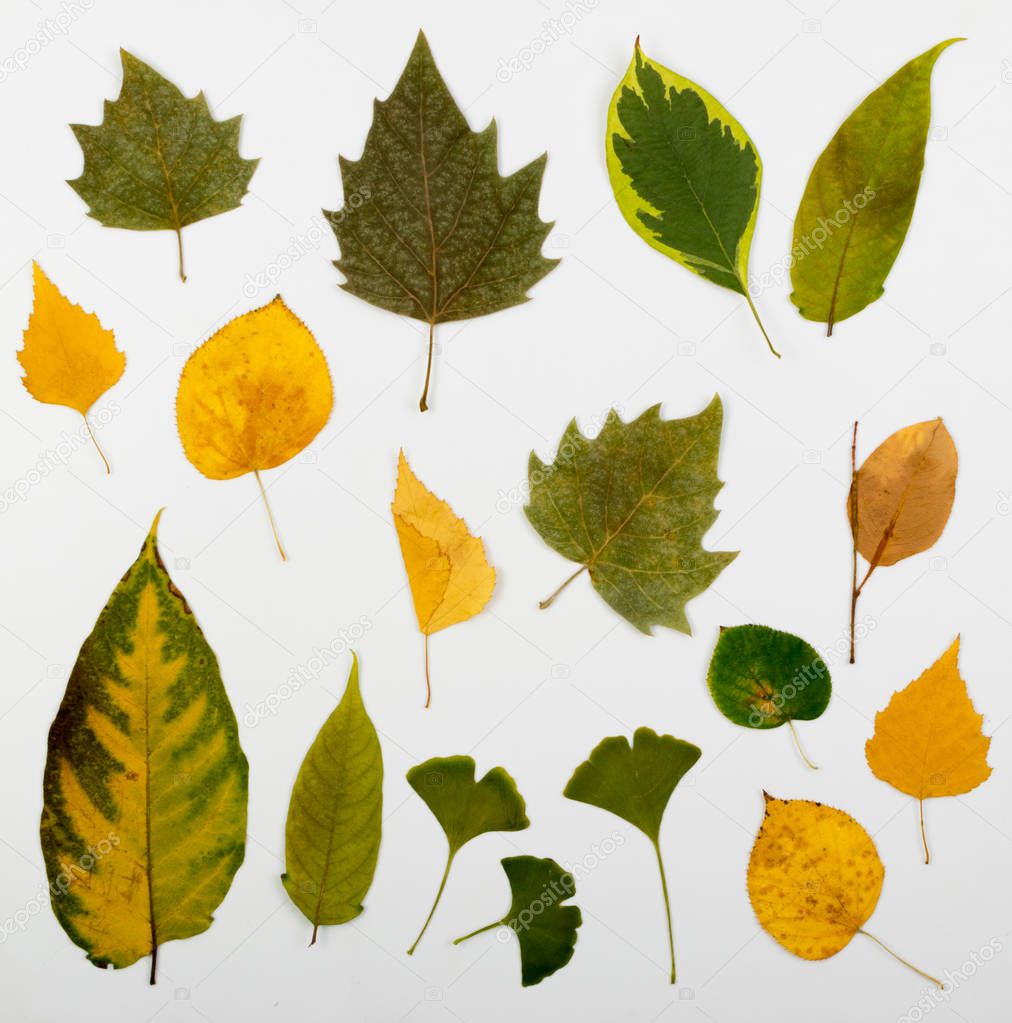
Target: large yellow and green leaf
{"points": [[144, 813]]}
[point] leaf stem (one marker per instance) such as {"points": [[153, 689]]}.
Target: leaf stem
{"points": [[423, 404], [154, 966], [547, 602], [179, 245], [900, 959], [94, 440], [854, 591], [797, 744], [481, 930], [270, 515], [439, 895], [428, 684], [924, 836], [755, 313], [667, 905]]}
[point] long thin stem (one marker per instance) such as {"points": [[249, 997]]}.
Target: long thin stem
{"points": [[423, 404], [154, 966], [270, 515], [179, 245], [481, 930], [854, 591], [547, 602], [798, 746], [900, 959], [94, 440], [755, 313], [439, 895], [667, 906], [428, 684], [924, 835]]}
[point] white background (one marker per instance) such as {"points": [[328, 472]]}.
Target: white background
{"points": [[615, 324]]}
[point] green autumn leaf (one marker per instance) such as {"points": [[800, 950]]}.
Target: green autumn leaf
{"points": [[631, 507], [764, 678], [544, 927], [860, 197], [635, 783], [465, 808], [429, 228], [159, 161], [685, 174], [332, 836], [144, 792]]}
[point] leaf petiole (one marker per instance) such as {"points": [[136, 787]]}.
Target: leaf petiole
{"points": [[798, 746], [179, 245], [667, 905], [439, 895], [423, 404], [481, 930], [924, 835], [94, 440], [547, 602], [755, 313], [900, 959], [270, 515]]}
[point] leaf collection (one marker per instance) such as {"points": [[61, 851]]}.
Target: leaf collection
{"points": [[145, 779]]}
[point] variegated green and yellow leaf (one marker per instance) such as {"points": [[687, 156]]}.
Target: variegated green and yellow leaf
{"points": [[144, 798]]}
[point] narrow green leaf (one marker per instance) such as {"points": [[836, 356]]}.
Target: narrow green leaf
{"points": [[335, 818], [860, 197]]}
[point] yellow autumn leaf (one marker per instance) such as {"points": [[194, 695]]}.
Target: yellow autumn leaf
{"points": [[928, 741], [451, 579], [253, 396], [68, 357], [814, 878]]}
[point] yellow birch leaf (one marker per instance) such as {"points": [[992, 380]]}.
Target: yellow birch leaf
{"points": [[68, 357], [928, 741], [253, 396], [451, 579]]}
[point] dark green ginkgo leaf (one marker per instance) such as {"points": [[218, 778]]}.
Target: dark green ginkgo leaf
{"points": [[465, 808], [635, 782], [764, 678], [545, 928], [159, 161]]}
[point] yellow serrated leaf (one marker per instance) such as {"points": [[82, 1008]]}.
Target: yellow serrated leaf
{"points": [[68, 357], [928, 741], [451, 579]]}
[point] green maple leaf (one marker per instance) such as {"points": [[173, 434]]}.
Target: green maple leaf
{"points": [[685, 174], [159, 161], [465, 808], [429, 227], [635, 783], [631, 507], [545, 929]]}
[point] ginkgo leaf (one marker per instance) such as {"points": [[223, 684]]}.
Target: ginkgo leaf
{"points": [[631, 507], [814, 879], [900, 499], [332, 835], [144, 792], [928, 741], [465, 808], [159, 161], [860, 197], [635, 783], [68, 357], [451, 579], [764, 678], [429, 228], [685, 174], [253, 396], [545, 929]]}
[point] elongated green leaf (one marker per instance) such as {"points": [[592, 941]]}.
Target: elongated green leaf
{"points": [[685, 174], [144, 794], [545, 929], [465, 808], [632, 506], [860, 197], [335, 818], [635, 782], [159, 161], [429, 228]]}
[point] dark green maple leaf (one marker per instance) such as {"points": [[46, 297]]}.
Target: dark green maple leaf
{"points": [[545, 928], [429, 227], [631, 507], [159, 161]]}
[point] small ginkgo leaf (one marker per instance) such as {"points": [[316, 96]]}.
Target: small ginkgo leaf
{"points": [[814, 879], [68, 357], [860, 197], [253, 396], [429, 228], [900, 499], [928, 741], [465, 808], [764, 678], [450, 577], [335, 817], [545, 929], [159, 161], [144, 792], [685, 174], [631, 507], [635, 783]]}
